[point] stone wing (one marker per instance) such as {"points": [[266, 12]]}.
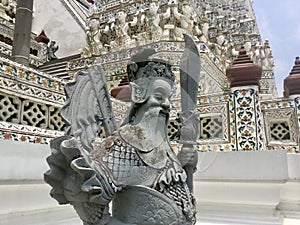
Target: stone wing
{"points": [[88, 107]]}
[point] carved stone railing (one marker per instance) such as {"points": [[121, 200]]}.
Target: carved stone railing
{"points": [[30, 102]]}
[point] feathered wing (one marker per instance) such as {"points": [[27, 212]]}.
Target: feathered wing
{"points": [[72, 174]]}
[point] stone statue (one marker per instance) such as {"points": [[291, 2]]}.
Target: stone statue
{"points": [[220, 46], [51, 49], [204, 32], [93, 38], [134, 167], [10, 9], [121, 27], [187, 22], [267, 60], [152, 20]]}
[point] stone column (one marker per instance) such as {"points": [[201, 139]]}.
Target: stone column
{"points": [[22, 33], [244, 77]]}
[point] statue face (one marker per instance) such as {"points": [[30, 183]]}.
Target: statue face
{"points": [[159, 95], [121, 16], [158, 101], [220, 39], [186, 9], [153, 7], [94, 23]]}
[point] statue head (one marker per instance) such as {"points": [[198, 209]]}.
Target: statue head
{"points": [[121, 14], [93, 23], [151, 80], [186, 8], [153, 7], [220, 37]]}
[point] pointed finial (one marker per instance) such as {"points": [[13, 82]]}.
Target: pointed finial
{"points": [[243, 71], [292, 81], [42, 37]]}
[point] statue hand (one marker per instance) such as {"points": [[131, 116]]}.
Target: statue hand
{"points": [[188, 156], [111, 20]]}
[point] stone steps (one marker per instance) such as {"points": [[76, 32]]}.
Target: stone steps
{"points": [[58, 67]]}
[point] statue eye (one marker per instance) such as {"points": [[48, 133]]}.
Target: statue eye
{"points": [[158, 97]]}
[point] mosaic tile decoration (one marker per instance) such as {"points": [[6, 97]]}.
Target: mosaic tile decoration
{"points": [[24, 133], [219, 105], [248, 120], [114, 64], [214, 118], [281, 128], [30, 102], [23, 81]]}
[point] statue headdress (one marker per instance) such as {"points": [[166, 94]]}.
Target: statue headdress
{"points": [[185, 2], [145, 65]]}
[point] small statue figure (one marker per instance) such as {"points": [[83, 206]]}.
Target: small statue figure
{"points": [[10, 9], [121, 27], [93, 38], [152, 19], [187, 22], [248, 46], [51, 49], [256, 53], [267, 60], [204, 32], [220, 46]]}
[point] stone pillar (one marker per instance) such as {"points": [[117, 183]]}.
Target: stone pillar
{"points": [[244, 77], [22, 33]]}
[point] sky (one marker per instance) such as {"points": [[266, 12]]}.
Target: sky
{"points": [[279, 21]]}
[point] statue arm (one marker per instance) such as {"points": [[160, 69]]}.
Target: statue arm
{"points": [[134, 21], [143, 18], [167, 14], [176, 13], [197, 30]]}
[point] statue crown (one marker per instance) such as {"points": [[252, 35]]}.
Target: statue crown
{"points": [[142, 65]]}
